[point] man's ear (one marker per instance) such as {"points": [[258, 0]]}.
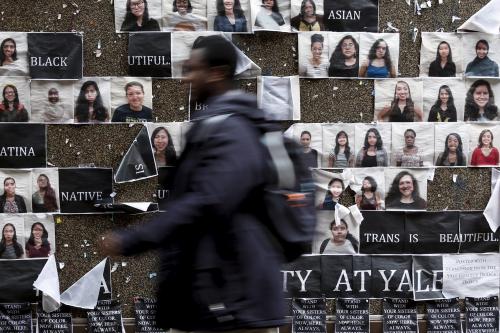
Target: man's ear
{"points": [[218, 74]]}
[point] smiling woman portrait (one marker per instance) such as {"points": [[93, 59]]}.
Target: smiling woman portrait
{"points": [[230, 17], [404, 193], [134, 111], [480, 102], [402, 107], [137, 17]]}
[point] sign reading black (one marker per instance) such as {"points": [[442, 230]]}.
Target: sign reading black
{"points": [[353, 315], [400, 316], [23, 146], [139, 161], [382, 232], [432, 232], [443, 316], [476, 234], [81, 188], [481, 314], [302, 277], [106, 318], [54, 322], [149, 54], [15, 317], [17, 277], [351, 15], [309, 315], [55, 55], [427, 277], [145, 315]]}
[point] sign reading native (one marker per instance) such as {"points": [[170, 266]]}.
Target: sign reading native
{"points": [[309, 315], [23, 146], [55, 55], [80, 189], [351, 15], [353, 315], [15, 318]]}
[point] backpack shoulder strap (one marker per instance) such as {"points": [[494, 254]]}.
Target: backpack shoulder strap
{"points": [[280, 159]]}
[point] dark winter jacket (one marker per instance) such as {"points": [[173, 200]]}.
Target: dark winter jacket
{"points": [[219, 270]]}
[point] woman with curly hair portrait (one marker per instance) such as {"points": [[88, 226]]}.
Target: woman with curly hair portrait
{"points": [[379, 63], [344, 61], [369, 198], [404, 193], [480, 102]]}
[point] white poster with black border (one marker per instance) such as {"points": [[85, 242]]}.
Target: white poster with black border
{"points": [[145, 315], [481, 315], [399, 316], [23, 146], [54, 322], [56, 56], [352, 315], [309, 315], [443, 316], [15, 318], [106, 318]]}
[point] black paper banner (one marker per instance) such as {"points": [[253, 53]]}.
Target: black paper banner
{"points": [[400, 316], [382, 232], [346, 276], [139, 161], [17, 277], [427, 277], [352, 315], [301, 278], [106, 318], [432, 232], [149, 54], [81, 188], [145, 315], [309, 315], [15, 317], [55, 55], [391, 276], [106, 291], [165, 181], [54, 322], [481, 314], [443, 316], [351, 15], [23, 146], [476, 234]]}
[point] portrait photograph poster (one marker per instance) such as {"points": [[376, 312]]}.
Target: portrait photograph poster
{"points": [[98, 91], [184, 15], [276, 18], [361, 132], [154, 10], [52, 101], [443, 99], [217, 20], [375, 177], [324, 181], [19, 66], [335, 237], [399, 188], [433, 45], [421, 146], [475, 131], [486, 67], [21, 87], [331, 135], [388, 96], [370, 41], [297, 131], [442, 132], [313, 54], [119, 95], [175, 139]]}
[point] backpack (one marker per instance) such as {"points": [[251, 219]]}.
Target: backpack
{"points": [[288, 196]]}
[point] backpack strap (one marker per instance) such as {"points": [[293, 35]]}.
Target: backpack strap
{"points": [[323, 245], [280, 158]]}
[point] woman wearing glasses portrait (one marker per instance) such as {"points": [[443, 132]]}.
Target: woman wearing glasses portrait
{"points": [[137, 17]]}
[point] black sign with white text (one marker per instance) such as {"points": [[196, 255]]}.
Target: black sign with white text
{"points": [[400, 316], [149, 54], [17, 277], [81, 188], [391, 276], [15, 317], [443, 316], [346, 276], [302, 278], [165, 181], [481, 314], [351, 15], [476, 234], [23, 146], [427, 277], [382, 232], [145, 315], [106, 318], [55, 55], [106, 291], [54, 322], [352, 315], [309, 315]]}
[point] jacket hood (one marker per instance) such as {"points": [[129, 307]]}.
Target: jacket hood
{"points": [[233, 101]]}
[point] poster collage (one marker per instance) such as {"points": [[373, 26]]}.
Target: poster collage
{"points": [[386, 246]]}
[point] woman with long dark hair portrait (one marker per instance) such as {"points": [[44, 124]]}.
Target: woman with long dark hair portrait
{"points": [[230, 17], [316, 64], [11, 109], [485, 153], [344, 61], [379, 63], [453, 154], [9, 247], [38, 245], [443, 109], [404, 193], [307, 20], [183, 18], [269, 16], [480, 102], [402, 108], [341, 155], [10, 202], [163, 147], [8, 52], [310, 155], [341, 242], [443, 65], [137, 17], [372, 153], [482, 65], [409, 156], [370, 198], [89, 105], [333, 194], [44, 200]]}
